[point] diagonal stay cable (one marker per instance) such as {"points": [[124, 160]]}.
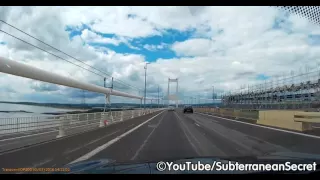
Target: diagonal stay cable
{"points": [[49, 52], [65, 53]]}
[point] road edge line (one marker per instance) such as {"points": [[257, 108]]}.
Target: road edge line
{"points": [[146, 140], [37, 134], [109, 143], [266, 127], [52, 140]]}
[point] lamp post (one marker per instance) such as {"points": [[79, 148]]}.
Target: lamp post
{"points": [[158, 96], [145, 84], [105, 102]]}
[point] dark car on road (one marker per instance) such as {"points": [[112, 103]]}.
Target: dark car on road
{"points": [[187, 108]]}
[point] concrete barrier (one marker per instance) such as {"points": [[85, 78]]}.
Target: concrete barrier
{"points": [[282, 119], [311, 117], [235, 113], [285, 119], [310, 120]]}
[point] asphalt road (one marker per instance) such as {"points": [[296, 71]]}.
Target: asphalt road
{"points": [[178, 135], [161, 136], [59, 152]]}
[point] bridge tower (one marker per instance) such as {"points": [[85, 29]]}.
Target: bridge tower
{"points": [[171, 97]]}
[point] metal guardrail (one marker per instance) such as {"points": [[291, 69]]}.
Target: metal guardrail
{"points": [[66, 123], [307, 117]]}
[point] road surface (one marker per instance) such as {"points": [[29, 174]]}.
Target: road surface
{"points": [[17, 140], [163, 135]]}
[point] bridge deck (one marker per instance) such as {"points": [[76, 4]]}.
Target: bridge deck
{"points": [[170, 134]]}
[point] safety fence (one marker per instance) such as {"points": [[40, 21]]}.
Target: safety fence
{"points": [[68, 123]]}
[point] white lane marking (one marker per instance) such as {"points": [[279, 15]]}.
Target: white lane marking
{"points": [[207, 146], [42, 163], [28, 141], [40, 142], [249, 149], [197, 124], [184, 129], [91, 142], [275, 129], [49, 141], [20, 137], [104, 146], [146, 140]]}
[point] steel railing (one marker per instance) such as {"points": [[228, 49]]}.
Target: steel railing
{"points": [[68, 123]]}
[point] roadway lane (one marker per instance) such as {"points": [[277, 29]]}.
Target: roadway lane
{"points": [[284, 139], [59, 152], [159, 139], [169, 135], [178, 135]]}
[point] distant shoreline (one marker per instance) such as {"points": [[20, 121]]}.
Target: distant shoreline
{"points": [[87, 107], [64, 109], [21, 111], [81, 106], [51, 106]]}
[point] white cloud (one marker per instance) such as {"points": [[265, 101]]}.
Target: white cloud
{"points": [[230, 47], [92, 37], [111, 20], [193, 47], [153, 47]]}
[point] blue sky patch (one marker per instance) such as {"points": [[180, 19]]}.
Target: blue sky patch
{"points": [[314, 39], [150, 56], [168, 37], [281, 22], [262, 77], [165, 41], [76, 30], [132, 16]]}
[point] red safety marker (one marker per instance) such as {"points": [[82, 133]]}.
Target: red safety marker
{"points": [[105, 122]]}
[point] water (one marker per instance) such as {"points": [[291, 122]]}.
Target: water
{"points": [[11, 122], [36, 110]]}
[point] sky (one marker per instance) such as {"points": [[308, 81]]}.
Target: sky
{"points": [[225, 47]]}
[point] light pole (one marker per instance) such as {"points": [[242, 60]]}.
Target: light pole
{"points": [[141, 99], [105, 102], [107, 96], [213, 95], [198, 100], [145, 84], [158, 96]]}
